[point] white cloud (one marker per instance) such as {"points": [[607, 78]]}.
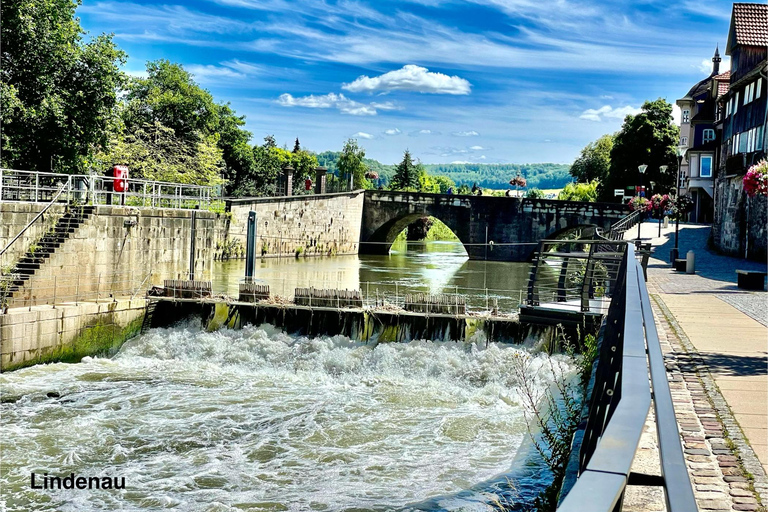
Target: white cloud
{"points": [[418, 133], [471, 133], [392, 131], [411, 78], [676, 115], [476, 148], [608, 112], [481, 157], [705, 66], [210, 72], [332, 100], [362, 135]]}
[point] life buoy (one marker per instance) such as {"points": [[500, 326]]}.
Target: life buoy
{"points": [[120, 173]]}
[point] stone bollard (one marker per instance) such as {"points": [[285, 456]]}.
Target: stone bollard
{"points": [[690, 263], [666, 222]]}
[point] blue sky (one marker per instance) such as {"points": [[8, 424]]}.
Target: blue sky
{"points": [[477, 81]]}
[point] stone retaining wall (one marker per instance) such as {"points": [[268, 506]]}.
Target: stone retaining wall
{"points": [[311, 225], [741, 222], [68, 332]]}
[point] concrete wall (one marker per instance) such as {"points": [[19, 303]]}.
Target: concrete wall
{"points": [[308, 225], [741, 222], [69, 332], [115, 249], [14, 216]]}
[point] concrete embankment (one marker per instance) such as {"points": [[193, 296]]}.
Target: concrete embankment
{"points": [[67, 332]]}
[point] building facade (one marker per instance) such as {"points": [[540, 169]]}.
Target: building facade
{"points": [[742, 124], [700, 140]]}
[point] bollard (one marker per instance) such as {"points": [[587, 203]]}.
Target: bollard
{"points": [[690, 263]]}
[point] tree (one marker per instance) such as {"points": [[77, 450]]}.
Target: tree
{"points": [[351, 163], [407, 174], [234, 142], [594, 161], [535, 193], [57, 92], [648, 138], [296, 146], [579, 192]]}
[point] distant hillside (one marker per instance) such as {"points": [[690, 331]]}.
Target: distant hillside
{"points": [[496, 176]]}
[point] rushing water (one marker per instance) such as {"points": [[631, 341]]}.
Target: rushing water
{"points": [[433, 267], [259, 420]]}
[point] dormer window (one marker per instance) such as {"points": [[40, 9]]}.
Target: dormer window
{"points": [[686, 115], [709, 135]]}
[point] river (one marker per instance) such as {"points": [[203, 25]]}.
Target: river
{"points": [[256, 419], [432, 267]]}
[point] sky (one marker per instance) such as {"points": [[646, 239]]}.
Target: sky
{"points": [[486, 81]]}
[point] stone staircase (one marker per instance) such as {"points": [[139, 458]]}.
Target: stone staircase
{"points": [[38, 253]]}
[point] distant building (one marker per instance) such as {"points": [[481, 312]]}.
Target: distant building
{"points": [[699, 138], [742, 122]]}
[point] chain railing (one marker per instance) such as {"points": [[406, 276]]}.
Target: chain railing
{"points": [[33, 186]]}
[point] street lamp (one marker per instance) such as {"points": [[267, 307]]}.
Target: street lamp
{"points": [[642, 169], [680, 153], [662, 170]]}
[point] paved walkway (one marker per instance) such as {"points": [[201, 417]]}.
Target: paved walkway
{"points": [[718, 348]]}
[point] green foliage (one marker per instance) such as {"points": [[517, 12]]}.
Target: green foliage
{"points": [[648, 138], [407, 174], [594, 161], [330, 160], [57, 92], [439, 231], [434, 184], [497, 176], [579, 192], [535, 193], [351, 163]]}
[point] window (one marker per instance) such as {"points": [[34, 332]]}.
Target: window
{"points": [[743, 139], [759, 137], [683, 141], [706, 167], [759, 86], [736, 103], [686, 116], [709, 135], [728, 107], [748, 92], [735, 145]]}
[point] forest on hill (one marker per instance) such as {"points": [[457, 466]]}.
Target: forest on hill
{"points": [[494, 176]]}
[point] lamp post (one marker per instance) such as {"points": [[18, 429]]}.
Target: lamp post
{"points": [[642, 169], [662, 170], [680, 153]]}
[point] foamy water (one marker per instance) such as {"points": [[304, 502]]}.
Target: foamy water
{"points": [[256, 419]]}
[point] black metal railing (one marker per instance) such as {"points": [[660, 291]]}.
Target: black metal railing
{"points": [[619, 403]]}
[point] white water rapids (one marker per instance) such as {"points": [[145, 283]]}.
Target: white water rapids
{"points": [[255, 419]]}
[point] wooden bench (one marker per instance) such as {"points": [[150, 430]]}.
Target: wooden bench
{"points": [[751, 279]]}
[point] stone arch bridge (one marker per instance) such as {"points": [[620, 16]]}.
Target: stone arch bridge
{"points": [[513, 225]]}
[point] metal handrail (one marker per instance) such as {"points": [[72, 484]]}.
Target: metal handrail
{"points": [[619, 405], [55, 198]]}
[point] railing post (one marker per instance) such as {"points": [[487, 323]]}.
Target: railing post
{"points": [[37, 185], [1, 186]]}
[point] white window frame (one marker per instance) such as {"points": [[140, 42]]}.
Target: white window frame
{"points": [[747, 92], [701, 167], [686, 115], [758, 87], [684, 141], [708, 131]]}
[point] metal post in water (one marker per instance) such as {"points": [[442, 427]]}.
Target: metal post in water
{"points": [[250, 247], [192, 247]]}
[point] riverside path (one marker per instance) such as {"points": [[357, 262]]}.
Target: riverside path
{"points": [[715, 339]]}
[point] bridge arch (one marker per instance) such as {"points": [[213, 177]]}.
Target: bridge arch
{"points": [[514, 225]]}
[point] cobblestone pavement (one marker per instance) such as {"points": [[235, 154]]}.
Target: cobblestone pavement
{"points": [[725, 470]]}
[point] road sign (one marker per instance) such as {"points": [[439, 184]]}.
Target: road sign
{"points": [[618, 192]]}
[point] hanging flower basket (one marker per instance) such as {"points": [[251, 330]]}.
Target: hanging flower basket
{"points": [[756, 179], [660, 204], [639, 204], [518, 181], [372, 175]]}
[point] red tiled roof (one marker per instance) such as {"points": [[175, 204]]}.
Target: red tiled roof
{"points": [[722, 88], [723, 76], [751, 24]]}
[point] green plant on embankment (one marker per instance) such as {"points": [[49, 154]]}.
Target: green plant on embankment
{"points": [[553, 417]]}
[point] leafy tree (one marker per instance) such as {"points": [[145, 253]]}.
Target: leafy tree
{"points": [[57, 92], [351, 163], [236, 150], [594, 161], [407, 174], [155, 152], [648, 138], [535, 193], [579, 192], [171, 97]]}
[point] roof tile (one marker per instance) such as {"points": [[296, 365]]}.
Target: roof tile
{"points": [[751, 24]]}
